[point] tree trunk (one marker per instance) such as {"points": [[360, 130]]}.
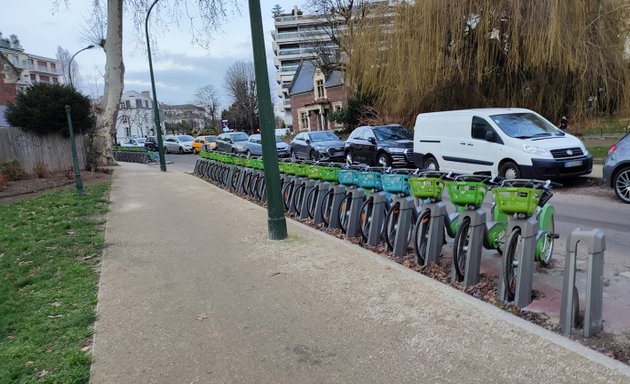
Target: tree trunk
{"points": [[114, 74]]}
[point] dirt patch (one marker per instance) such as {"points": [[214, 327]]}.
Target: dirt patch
{"points": [[26, 188]]}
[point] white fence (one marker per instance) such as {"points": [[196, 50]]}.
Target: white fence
{"points": [[28, 149]]}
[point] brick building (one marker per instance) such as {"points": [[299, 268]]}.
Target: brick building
{"points": [[314, 95]]}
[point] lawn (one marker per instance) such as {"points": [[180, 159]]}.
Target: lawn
{"points": [[50, 248]]}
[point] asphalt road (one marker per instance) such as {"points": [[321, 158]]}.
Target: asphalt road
{"points": [[581, 203]]}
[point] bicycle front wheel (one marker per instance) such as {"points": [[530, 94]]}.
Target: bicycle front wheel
{"points": [[327, 204], [460, 248], [421, 232], [298, 198], [367, 209], [510, 263], [544, 243], [344, 212], [311, 201]]}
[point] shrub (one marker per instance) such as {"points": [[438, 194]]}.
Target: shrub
{"points": [[3, 182], [40, 169], [11, 169]]}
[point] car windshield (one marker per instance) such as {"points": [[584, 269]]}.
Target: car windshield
{"points": [[322, 136], [185, 138], [525, 125], [140, 141], [279, 139], [391, 132], [239, 137], [211, 139]]}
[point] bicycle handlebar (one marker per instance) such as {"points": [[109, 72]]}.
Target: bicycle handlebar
{"points": [[530, 183]]}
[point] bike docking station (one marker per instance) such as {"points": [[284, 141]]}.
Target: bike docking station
{"points": [[477, 221], [306, 185], [339, 191], [321, 187], [526, 249], [569, 309], [437, 211], [406, 205], [377, 219]]}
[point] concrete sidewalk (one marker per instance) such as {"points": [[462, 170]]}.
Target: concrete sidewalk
{"points": [[192, 291]]}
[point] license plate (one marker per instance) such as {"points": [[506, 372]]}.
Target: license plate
{"points": [[570, 164]]}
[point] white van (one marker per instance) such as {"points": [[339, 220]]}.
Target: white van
{"points": [[510, 142]]}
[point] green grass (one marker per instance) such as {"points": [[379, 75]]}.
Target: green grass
{"points": [[50, 247], [598, 152]]}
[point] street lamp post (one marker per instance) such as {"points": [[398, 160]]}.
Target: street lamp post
{"points": [[73, 144], [156, 113], [70, 63], [276, 222]]}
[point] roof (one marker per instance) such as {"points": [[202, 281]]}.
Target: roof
{"points": [[3, 122], [303, 79], [480, 111]]}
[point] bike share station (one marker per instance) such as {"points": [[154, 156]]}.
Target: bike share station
{"points": [[341, 194]]}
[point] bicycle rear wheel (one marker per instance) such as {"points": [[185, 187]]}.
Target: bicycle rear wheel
{"points": [[510, 263], [287, 194], [298, 198], [365, 217], [344, 212], [327, 203], [311, 202]]}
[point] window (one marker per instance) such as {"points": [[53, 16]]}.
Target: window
{"points": [[31, 64], [122, 105], [319, 93], [53, 67], [138, 103], [127, 104], [124, 119], [128, 131], [42, 65], [44, 79], [146, 104], [479, 128], [525, 125], [304, 120], [33, 77], [55, 80]]}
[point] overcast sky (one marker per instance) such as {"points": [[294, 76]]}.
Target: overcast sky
{"points": [[180, 67]]}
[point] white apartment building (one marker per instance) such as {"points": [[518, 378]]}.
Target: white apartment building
{"points": [[135, 116], [296, 37], [21, 69]]}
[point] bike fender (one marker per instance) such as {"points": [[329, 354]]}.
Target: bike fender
{"points": [[546, 217]]}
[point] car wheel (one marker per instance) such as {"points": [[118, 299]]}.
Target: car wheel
{"points": [[292, 154], [621, 184], [234, 152], [165, 149], [313, 155], [509, 170], [181, 150], [349, 157], [431, 164], [383, 160], [248, 154]]}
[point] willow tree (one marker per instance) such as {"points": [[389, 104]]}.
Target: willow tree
{"points": [[554, 56]]}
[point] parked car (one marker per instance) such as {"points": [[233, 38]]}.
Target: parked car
{"points": [[617, 169], [384, 145], [253, 147], [151, 143], [317, 145], [137, 142], [200, 141], [232, 142], [509, 142], [178, 143]]}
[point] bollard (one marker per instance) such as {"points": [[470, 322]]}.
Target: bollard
{"points": [[354, 219], [477, 219], [401, 240], [322, 188], [377, 219], [527, 252], [596, 243]]}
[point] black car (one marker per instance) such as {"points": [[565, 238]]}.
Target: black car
{"points": [[317, 145], [385, 145], [151, 143]]}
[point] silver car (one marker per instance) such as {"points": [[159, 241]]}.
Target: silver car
{"points": [[254, 146], [617, 168], [178, 144]]}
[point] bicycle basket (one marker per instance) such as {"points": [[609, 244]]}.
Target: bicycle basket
{"points": [[347, 177], [329, 173], [369, 180], [301, 170], [512, 200], [395, 183], [313, 172], [426, 187], [466, 192]]}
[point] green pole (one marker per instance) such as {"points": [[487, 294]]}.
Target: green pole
{"points": [[275, 209], [156, 112], [75, 157]]}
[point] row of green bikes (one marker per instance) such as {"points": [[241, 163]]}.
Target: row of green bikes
{"points": [[513, 199]]}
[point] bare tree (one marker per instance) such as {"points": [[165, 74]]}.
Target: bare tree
{"points": [[207, 98], [63, 57], [240, 85]]}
